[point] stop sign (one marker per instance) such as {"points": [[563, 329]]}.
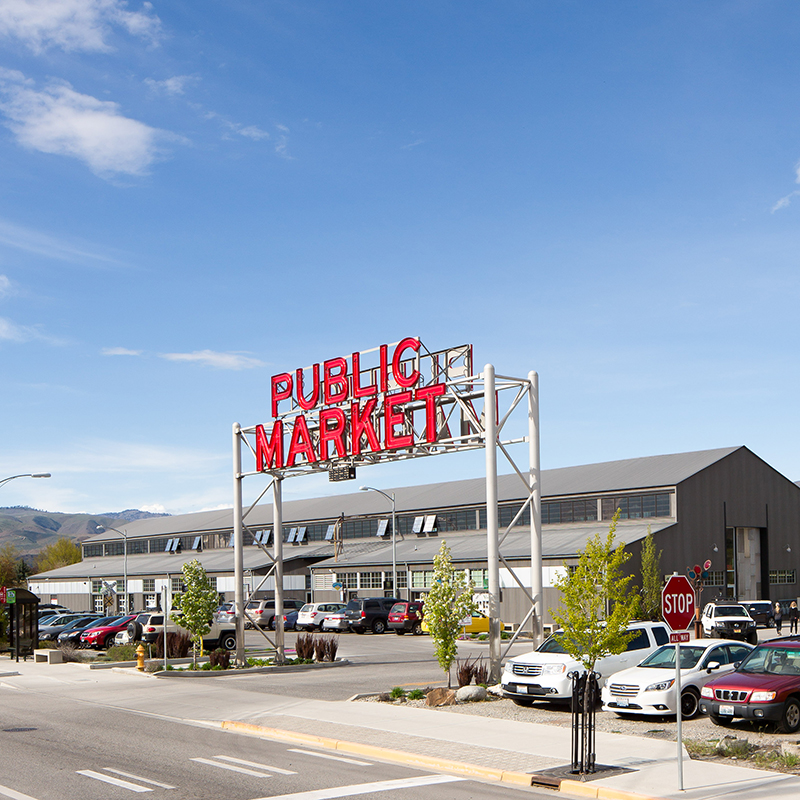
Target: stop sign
{"points": [[677, 603]]}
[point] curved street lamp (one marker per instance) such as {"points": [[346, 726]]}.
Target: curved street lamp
{"points": [[124, 535], [26, 475], [390, 498]]}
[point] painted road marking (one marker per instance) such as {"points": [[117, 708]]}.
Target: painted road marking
{"points": [[231, 767], [366, 788], [133, 787], [332, 758], [138, 778], [257, 766], [6, 792]]}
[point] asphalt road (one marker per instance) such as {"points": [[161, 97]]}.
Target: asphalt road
{"points": [[60, 749]]}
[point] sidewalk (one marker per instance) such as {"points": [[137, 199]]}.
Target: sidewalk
{"points": [[485, 748]]}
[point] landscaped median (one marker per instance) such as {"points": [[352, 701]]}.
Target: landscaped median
{"points": [[382, 753]]}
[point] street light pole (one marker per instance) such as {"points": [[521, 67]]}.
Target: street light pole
{"points": [[390, 498], [26, 475], [100, 529]]}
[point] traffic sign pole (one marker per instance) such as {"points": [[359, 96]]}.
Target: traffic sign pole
{"points": [[678, 610]]}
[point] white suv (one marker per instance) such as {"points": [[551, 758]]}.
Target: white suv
{"points": [[729, 620], [312, 615], [543, 674]]}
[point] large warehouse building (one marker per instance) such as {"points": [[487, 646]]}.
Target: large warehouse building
{"points": [[726, 505]]}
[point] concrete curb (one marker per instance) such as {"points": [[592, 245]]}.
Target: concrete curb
{"points": [[224, 673], [580, 789], [383, 753]]}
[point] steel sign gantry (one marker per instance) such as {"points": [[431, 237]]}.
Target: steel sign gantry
{"points": [[393, 403]]}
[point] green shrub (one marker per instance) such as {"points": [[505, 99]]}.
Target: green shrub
{"points": [[397, 693], [125, 652], [416, 694]]}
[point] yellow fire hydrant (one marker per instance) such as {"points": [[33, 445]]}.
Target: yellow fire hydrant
{"points": [[140, 658]]}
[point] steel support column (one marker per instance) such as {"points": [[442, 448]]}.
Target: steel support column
{"points": [[535, 509], [492, 544], [238, 549], [277, 518]]}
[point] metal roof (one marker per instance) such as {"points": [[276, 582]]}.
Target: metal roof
{"points": [[610, 476], [558, 541]]}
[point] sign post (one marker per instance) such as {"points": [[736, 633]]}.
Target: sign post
{"points": [[677, 608]]}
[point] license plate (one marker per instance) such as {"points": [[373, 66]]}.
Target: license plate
{"points": [[726, 710], [623, 703], [737, 630]]}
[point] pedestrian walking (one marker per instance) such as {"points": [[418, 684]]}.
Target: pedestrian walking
{"points": [[794, 615], [778, 618]]}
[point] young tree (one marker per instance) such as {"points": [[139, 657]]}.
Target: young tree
{"points": [[449, 601], [9, 557], [194, 609], [596, 601], [59, 554], [652, 582]]}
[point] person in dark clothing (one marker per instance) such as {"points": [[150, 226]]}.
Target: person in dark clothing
{"points": [[778, 618], [794, 615]]}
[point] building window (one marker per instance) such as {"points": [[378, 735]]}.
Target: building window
{"points": [[97, 587], [177, 583], [715, 578], [323, 580], [782, 577], [637, 506], [137, 546], [349, 580], [92, 550], [421, 579], [149, 585], [555, 511], [371, 580], [479, 578]]}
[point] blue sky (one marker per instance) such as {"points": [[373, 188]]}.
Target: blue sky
{"points": [[195, 196]]}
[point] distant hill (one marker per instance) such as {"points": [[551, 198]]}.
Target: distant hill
{"points": [[30, 530]]}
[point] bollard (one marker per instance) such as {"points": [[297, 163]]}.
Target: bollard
{"points": [[140, 658]]}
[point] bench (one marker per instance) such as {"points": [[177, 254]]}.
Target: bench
{"points": [[48, 656]]}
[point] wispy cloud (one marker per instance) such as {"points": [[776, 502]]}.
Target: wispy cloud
{"points": [[412, 144], [5, 286], [74, 25], [33, 241], [61, 121], [12, 332], [120, 351], [210, 358], [170, 86], [249, 131], [282, 143], [784, 201]]}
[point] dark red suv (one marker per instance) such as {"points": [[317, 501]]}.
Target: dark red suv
{"points": [[765, 686], [405, 617]]}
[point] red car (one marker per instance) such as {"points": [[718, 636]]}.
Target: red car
{"points": [[103, 637], [406, 616], [765, 686]]}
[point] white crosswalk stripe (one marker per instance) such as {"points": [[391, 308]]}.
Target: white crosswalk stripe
{"points": [[133, 787], [366, 788], [332, 758], [138, 778], [232, 768], [267, 767]]}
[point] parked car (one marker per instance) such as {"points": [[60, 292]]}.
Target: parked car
{"points": [[405, 617], [263, 611], [369, 613], [650, 687], [761, 612], [225, 613], [290, 620], [102, 636], [544, 673], [336, 622], [729, 620], [221, 634], [477, 623], [765, 687], [50, 631], [312, 615], [72, 635]]}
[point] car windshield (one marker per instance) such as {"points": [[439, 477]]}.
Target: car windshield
{"points": [[731, 611], [772, 660], [308, 607], [353, 605], [552, 645], [664, 657], [398, 608]]}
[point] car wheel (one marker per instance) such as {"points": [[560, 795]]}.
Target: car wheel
{"points": [[522, 701], [378, 626], [689, 704], [790, 719], [417, 629], [109, 641], [271, 623], [357, 630], [399, 631], [770, 623], [723, 722], [227, 641]]}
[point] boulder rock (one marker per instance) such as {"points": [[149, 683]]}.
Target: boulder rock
{"points": [[440, 697], [470, 694]]}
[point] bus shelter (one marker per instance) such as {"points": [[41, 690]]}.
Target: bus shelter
{"points": [[20, 629]]}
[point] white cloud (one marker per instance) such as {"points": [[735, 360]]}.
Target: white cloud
{"points": [[211, 358], [11, 332], [74, 24], [249, 131], [120, 351], [170, 86], [5, 286], [784, 202], [64, 122], [34, 241], [155, 508]]}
